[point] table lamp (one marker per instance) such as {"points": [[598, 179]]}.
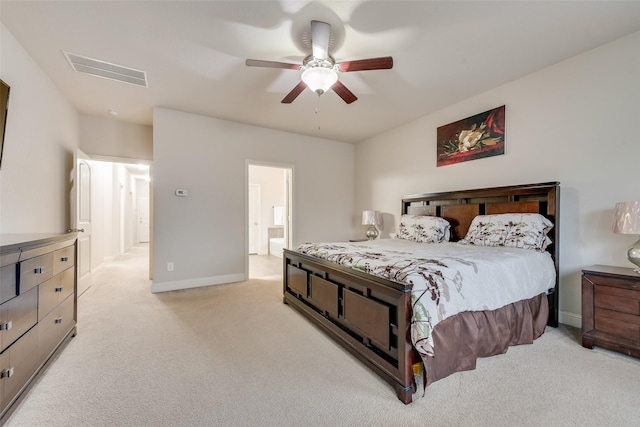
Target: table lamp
{"points": [[626, 220], [371, 218]]}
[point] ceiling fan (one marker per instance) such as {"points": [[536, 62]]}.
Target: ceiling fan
{"points": [[320, 70]]}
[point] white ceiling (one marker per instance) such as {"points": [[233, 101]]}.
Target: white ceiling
{"points": [[194, 53]]}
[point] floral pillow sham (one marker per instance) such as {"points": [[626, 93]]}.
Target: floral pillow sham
{"points": [[527, 231], [423, 229]]}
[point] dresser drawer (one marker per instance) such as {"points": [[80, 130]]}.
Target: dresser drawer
{"points": [[55, 326], [17, 316], [35, 271], [54, 291], [18, 363], [8, 282], [63, 259], [67, 319], [617, 299]]}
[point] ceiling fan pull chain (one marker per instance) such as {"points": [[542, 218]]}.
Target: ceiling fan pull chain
{"points": [[317, 111]]}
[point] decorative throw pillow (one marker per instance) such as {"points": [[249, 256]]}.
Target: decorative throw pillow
{"points": [[527, 231], [423, 229]]}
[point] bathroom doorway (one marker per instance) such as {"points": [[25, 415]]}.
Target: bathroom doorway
{"points": [[269, 217]]}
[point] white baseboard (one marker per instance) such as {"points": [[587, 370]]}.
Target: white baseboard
{"points": [[196, 283], [570, 319], [97, 269]]}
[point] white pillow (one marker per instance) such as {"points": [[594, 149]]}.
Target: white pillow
{"points": [[423, 229], [527, 231]]}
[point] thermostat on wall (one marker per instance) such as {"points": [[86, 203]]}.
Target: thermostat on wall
{"points": [[182, 193]]}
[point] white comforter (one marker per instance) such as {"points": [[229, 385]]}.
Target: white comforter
{"points": [[446, 278]]}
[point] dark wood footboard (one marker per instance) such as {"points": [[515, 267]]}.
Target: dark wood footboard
{"points": [[368, 318]]}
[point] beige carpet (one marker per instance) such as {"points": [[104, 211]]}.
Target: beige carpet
{"points": [[234, 355]]}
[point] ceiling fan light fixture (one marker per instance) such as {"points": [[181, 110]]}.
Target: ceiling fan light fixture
{"points": [[319, 79]]}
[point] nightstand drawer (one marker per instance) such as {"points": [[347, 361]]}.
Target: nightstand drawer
{"points": [[618, 324], [617, 299], [611, 309], [615, 282]]}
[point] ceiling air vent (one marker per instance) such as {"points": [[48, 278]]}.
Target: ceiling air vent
{"points": [[98, 68]]}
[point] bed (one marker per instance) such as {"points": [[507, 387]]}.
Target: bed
{"points": [[364, 296]]}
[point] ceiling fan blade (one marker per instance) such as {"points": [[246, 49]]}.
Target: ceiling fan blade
{"points": [[294, 93], [271, 64], [320, 33], [344, 93], [383, 63]]}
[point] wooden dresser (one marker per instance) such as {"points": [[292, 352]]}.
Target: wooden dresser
{"points": [[611, 309], [37, 308]]}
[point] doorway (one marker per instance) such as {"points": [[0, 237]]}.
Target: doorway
{"points": [[117, 191], [269, 217]]}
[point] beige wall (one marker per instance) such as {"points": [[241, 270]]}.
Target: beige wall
{"points": [[113, 139], [41, 134], [204, 234], [573, 122]]}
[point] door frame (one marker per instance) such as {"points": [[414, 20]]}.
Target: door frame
{"points": [[289, 205], [124, 162], [257, 189]]}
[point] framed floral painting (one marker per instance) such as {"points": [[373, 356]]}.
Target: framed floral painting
{"points": [[475, 137]]}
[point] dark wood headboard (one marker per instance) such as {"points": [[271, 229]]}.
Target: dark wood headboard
{"points": [[460, 207]]}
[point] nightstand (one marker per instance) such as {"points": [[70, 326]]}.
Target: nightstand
{"points": [[611, 309]]}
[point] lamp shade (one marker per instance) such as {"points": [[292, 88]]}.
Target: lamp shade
{"points": [[626, 218], [319, 79], [370, 218]]}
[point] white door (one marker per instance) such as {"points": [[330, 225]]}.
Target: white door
{"points": [[81, 216], [254, 218], [143, 219]]}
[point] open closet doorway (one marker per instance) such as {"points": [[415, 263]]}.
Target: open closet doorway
{"points": [[269, 219]]}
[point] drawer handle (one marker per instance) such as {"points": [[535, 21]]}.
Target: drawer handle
{"points": [[59, 289], [7, 373], [58, 320], [38, 270], [6, 326], [64, 259]]}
